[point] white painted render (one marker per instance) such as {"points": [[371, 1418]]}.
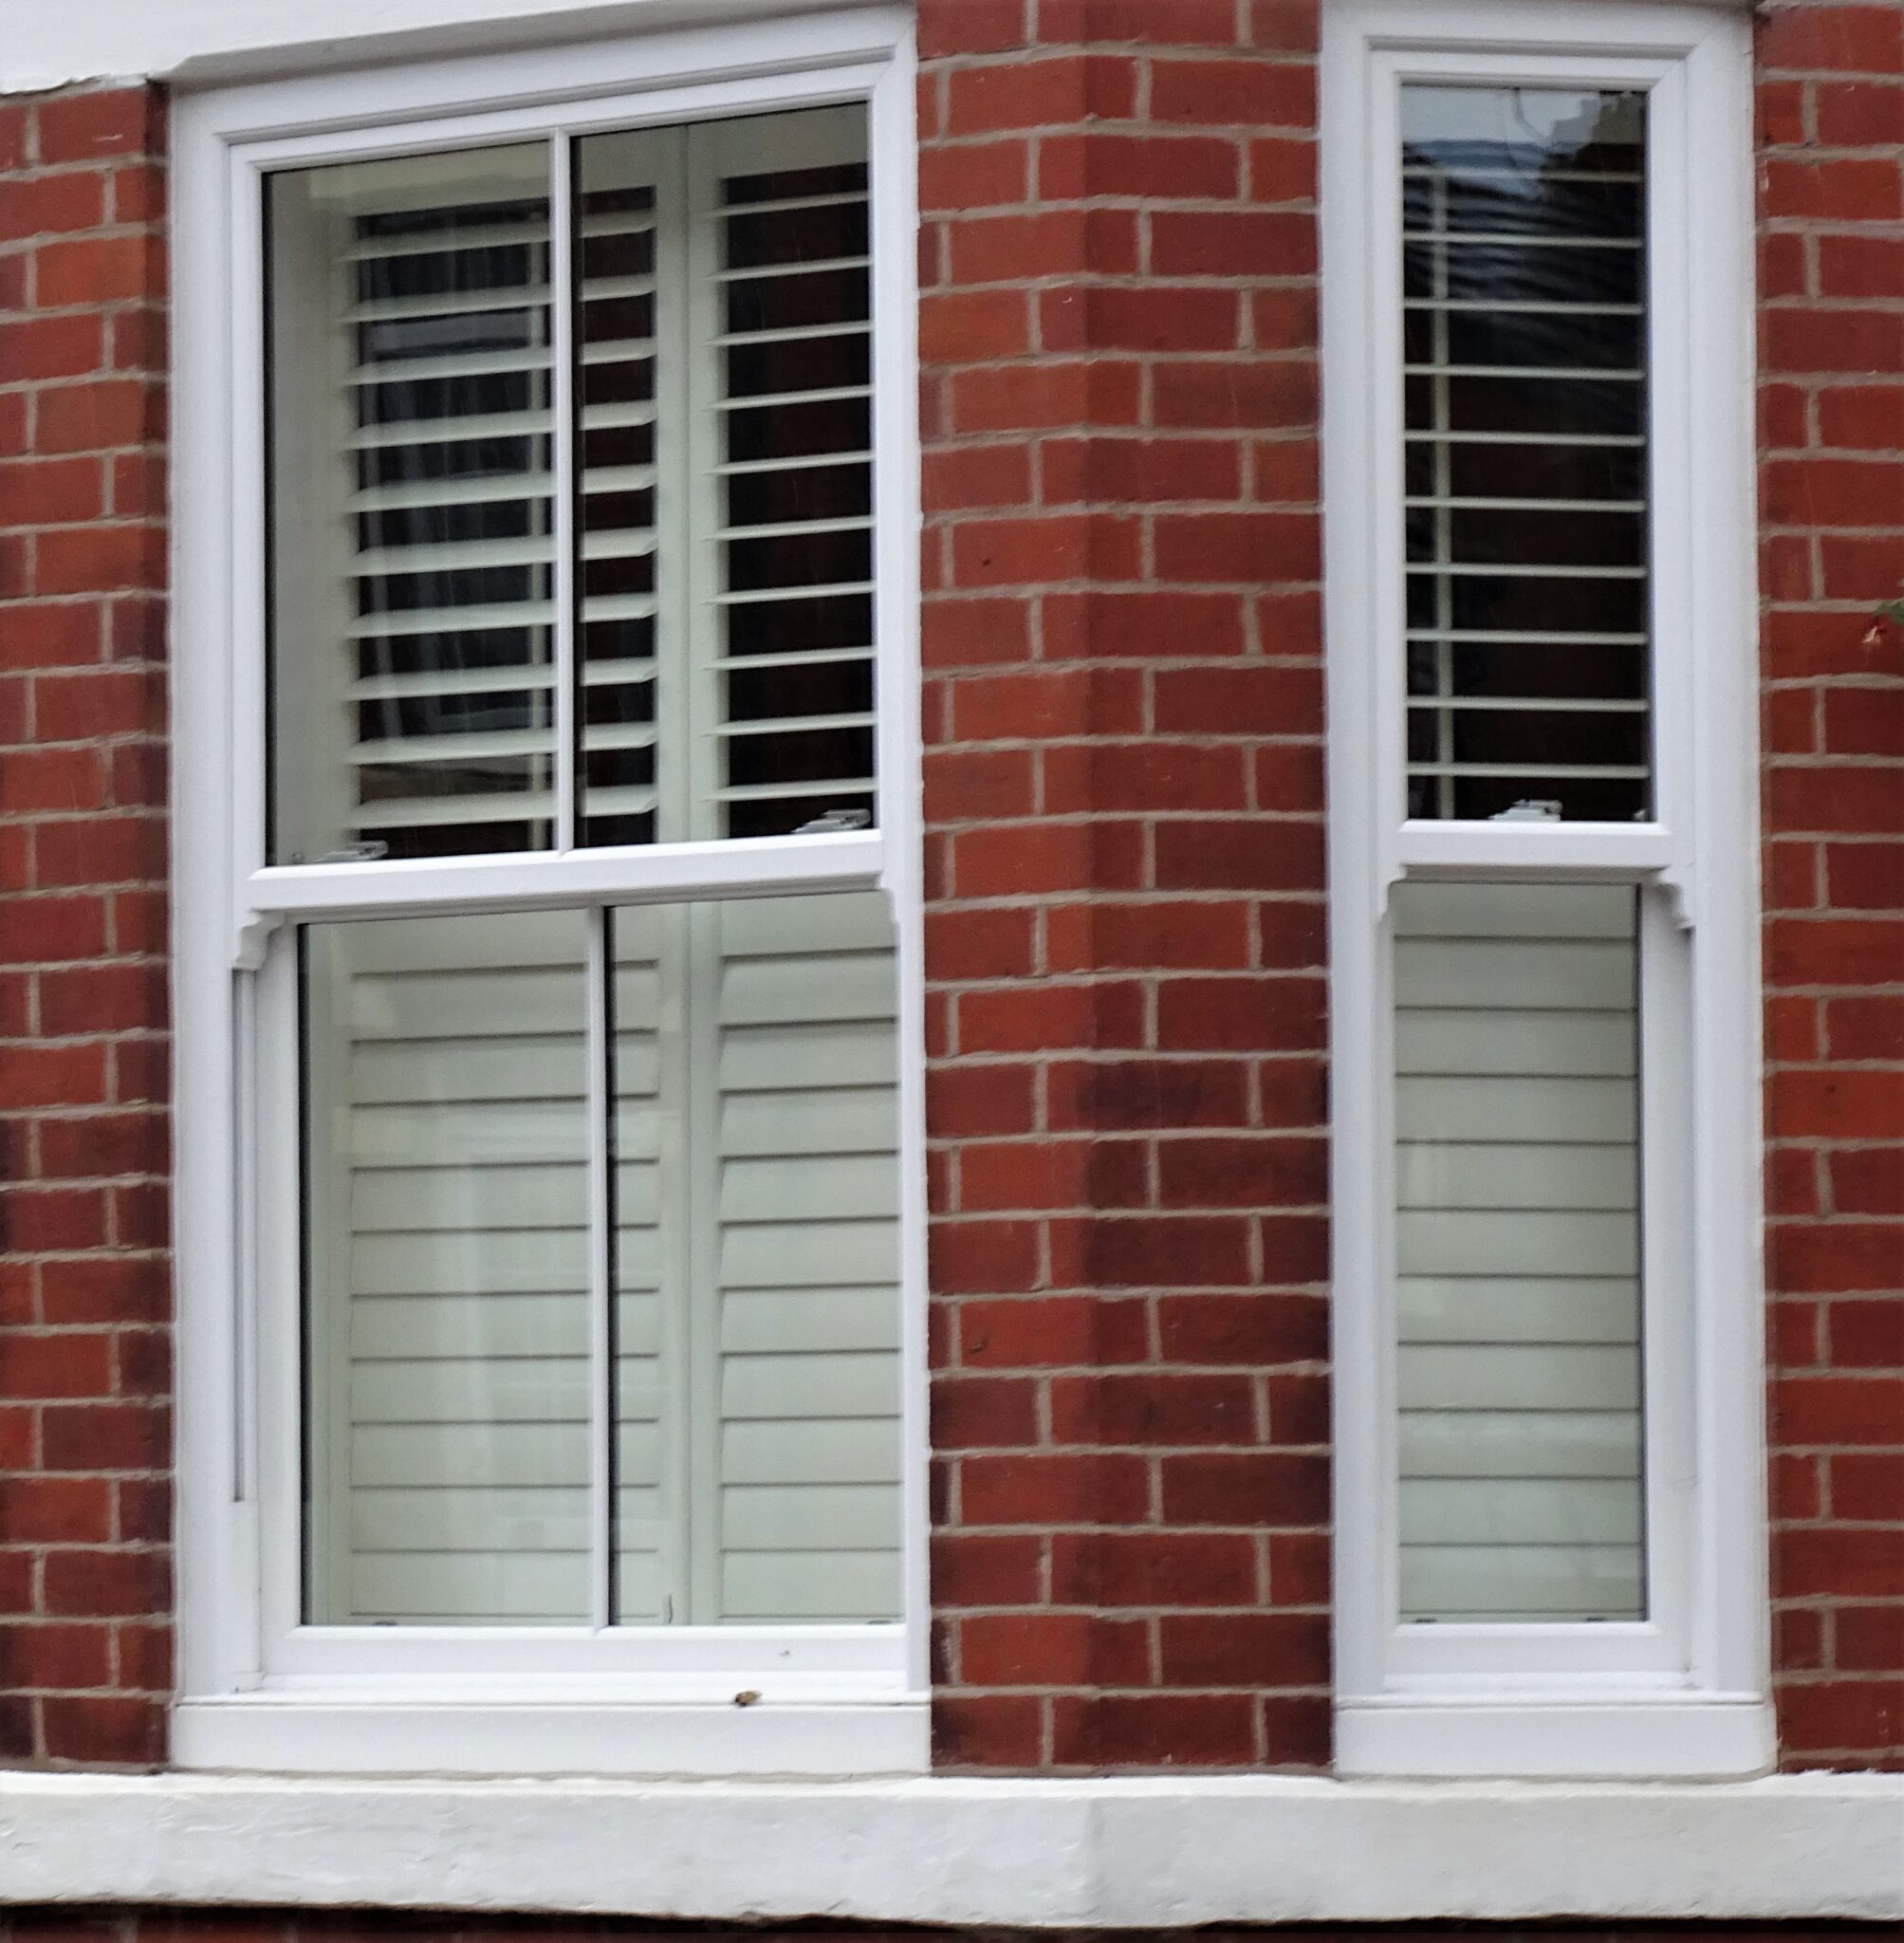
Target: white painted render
{"points": [[1161, 1851], [222, 40]]}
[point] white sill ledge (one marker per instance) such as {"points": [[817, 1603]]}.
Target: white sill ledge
{"points": [[1126, 1853]]}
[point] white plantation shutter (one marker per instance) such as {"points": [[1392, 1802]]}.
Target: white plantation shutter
{"points": [[726, 433], [1518, 1250], [447, 1144], [802, 1187], [603, 1234], [414, 620], [1524, 242]]}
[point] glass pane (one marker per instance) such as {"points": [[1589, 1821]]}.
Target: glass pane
{"points": [[411, 640], [446, 1270], [1523, 223], [757, 1260], [724, 388], [1518, 1251]]}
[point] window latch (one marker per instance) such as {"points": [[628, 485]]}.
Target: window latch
{"points": [[836, 820], [370, 851]]}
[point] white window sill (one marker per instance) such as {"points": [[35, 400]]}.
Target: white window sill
{"points": [[811, 1726], [1573, 1736], [1161, 1852]]}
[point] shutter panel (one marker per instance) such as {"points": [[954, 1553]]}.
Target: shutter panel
{"points": [[412, 663], [449, 1267], [1526, 384], [804, 1200], [780, 431], [1517, 1244]]}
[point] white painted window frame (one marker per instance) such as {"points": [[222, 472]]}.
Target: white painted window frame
{"points": [[1682, 1693], [257, 1688]]}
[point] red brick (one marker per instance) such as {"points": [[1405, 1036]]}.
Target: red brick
{"points": [[53, 1219], [1865, 1027], [1139, 470], [107, 1436], [986, 1730], [1251, 546], [1834, 951], [1143, 623], [1037, 551], [1258, 394], [1866, 416], [98, 559], [1297, 1730], [1222, 243], [1849, 1714], [1013, 249], [1151, 1408], [1247, 1488], [1139, 1093], [1841, 800], [1779, 113], [111, 1730], [91, 417], [1869, 1335], [1050, 1017], [52, 202], [52, 1075], [1837, 1410], [1242, 1015], [1037, 398], [1011, 860], [1245, 1649], [1153, 23], [55, 1657], [970, 632], [982, 1413], [1153, 1730], [1102, 935], [979, 944], [1151, 169], [1869, 1487], [1282, 169], [1052, 1650], [1258, 1329], [107, 1582], [95, 269], [985, 1570], [970, 26], [1067, 1488], [966, 1101], [1865, 40], [1834, 339], [1291, 26], [1869, 1638], [51, 346], [110, 123], [1016, 1175], [984, 1257], [1246, 93], [1831, 493], [1039, 94], [1153, 316], [1864, 267], [1299, 1409], [1107, 777], [1170, 1569], [1868, 1180], [963, 785]]}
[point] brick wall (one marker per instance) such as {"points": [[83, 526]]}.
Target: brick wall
{"points": [[1831, 181], [1124, 834], [84, 1584]]}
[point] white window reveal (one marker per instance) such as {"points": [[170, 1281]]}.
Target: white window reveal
{"points": [[1536, 222], [571, 1290]]}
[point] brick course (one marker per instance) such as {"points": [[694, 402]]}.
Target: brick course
{"points": [[1124, 714], [85, 1441], [1831, 187]]}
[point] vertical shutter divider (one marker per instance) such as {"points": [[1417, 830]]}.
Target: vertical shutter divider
{"points": [[562, 481], [702, 516], [603, 1375]]}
